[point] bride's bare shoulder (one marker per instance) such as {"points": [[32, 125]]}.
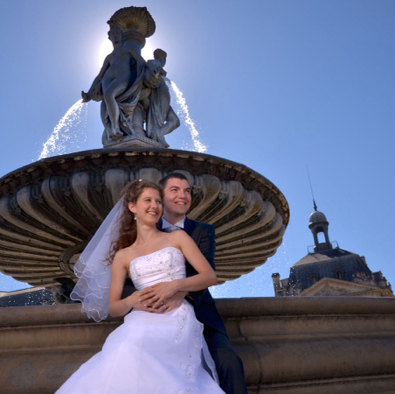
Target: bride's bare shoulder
{"points": [[123, 256], [178, 236]]}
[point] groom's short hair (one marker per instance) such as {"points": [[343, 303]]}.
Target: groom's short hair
{"points": [[177, 175]]}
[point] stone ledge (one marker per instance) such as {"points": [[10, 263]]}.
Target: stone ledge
{"points": [[288, 345]]}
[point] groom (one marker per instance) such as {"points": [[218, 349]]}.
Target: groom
{"points": [[177, 200]]}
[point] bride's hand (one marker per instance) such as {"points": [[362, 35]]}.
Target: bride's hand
{"points": [[135, 302], [172, 302], [160, 293]]}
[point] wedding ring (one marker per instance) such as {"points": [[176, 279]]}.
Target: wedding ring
{"points": [[164, 306]]}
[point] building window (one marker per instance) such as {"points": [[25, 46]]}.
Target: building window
{"points": [[313, 278], [321, 238], [339, 273]]}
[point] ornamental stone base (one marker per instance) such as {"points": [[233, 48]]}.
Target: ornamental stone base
{"points": [[320, 345]]}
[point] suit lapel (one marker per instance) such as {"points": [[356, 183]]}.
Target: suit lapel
{"points": [[188, 226]]}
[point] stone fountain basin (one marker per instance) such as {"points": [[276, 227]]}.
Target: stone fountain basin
{"points": [[50, 209]]}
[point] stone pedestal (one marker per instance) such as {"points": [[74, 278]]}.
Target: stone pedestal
{"points": [[320, 345], [136, 142]]}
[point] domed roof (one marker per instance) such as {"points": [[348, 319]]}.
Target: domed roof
{"points": [[324, 264], [317, 217]]}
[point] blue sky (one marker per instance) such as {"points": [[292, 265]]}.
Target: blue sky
{"points": [[272, 84]]}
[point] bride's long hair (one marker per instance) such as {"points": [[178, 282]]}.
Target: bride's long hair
{"points": [[126, 225]]}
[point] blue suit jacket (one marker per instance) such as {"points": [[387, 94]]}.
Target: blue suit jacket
{"points": [[205, 309]]}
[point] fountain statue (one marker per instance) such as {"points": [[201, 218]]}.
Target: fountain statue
{"points": [[133, 92]]}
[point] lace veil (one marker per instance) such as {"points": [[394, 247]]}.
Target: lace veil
{"points": [[93, 271]]}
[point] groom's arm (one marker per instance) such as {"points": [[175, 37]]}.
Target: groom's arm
{"points": [[204, 237], [206, 244]]}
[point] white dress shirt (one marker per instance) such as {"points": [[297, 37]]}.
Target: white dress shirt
{"points": [[166, 224]]}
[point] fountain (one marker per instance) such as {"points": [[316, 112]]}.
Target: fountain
{"points": [[50, 209]]}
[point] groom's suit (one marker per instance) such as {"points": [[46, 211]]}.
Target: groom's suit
{"points": [[228, 364], [204, 236]]}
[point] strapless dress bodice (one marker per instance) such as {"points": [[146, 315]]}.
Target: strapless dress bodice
{"points": [[163, 265]]}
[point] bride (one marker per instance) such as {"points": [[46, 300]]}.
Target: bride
{"points": [[153, 351]]}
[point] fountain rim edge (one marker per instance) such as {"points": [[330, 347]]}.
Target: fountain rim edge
{"points": [[103, 151]]}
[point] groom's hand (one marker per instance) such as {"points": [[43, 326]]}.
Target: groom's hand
{"points": [[174, 301], [147, 300], [150, 300]]}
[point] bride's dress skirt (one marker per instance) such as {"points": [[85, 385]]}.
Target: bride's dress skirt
{"points": [[150, 353]]}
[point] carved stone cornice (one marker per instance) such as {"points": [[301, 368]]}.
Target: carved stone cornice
{"points": [[337, 287]]}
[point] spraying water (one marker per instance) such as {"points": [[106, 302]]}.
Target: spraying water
{"points": [[259, 282], [68, 133], [183, 111]]}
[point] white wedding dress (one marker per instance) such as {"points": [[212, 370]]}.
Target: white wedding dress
{"points": [[151, 353]]}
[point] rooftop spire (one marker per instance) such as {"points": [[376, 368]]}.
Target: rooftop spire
{"points": [[311, 188]]}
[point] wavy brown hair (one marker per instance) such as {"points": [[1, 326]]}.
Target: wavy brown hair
{"points": [[126, 226]]}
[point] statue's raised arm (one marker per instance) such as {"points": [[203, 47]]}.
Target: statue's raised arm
{"points": [[95, 92]]}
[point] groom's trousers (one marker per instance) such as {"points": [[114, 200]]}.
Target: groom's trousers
{"points": [[229, 366]]}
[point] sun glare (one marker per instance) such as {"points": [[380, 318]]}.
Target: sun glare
{"points": [[148, 51], [106, 48]]}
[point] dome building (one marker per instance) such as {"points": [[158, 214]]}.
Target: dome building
{"points": [[328, 270]]}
